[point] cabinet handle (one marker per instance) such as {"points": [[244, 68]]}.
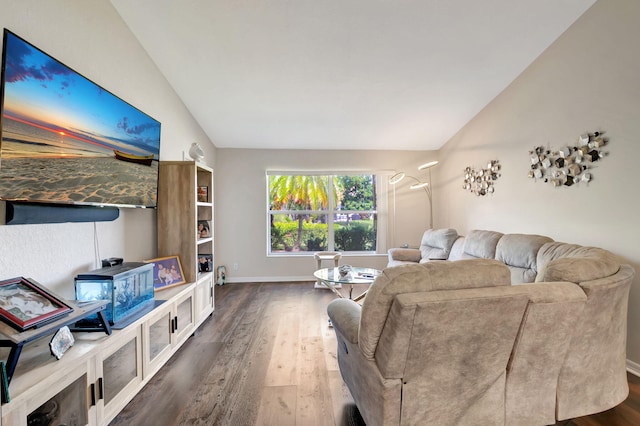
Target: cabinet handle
{"points": [[172, 326], [176, 320], [93, 394], [100, 388]]}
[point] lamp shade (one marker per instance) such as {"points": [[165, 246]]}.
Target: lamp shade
{"points": [[396, 178], [427, 165], [419, 185]]}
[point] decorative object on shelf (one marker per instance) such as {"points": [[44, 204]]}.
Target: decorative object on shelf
{"points": [[221, 275], [61, 341], [203, 194], [568, 165], [345, 271], [205, 262], [25, 304], [167, 272], [196, 152], [480, 182], [426, 186], [204, 229]]}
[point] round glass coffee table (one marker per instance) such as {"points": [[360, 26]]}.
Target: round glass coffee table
{"points": [[332, 279]]}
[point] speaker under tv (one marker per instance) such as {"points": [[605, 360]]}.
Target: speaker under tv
{"points": [[31, 213]]}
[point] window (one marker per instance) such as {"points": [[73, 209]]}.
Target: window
{"points": [[309, 213]]}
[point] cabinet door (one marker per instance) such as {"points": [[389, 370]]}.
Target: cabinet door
{"points": [[184, 319], [61, 399], [119, 372], [204, 297], [157, 338]]}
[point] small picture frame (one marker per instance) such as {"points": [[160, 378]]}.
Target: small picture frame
{"points": [[203, 194], [204, 229], [167, 272], [205, 263], [25, 304]]}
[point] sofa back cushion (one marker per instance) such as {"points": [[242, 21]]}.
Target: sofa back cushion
{"points": [[422, 277], [519, 252], [457, 249], [570, 262], [436, 243], [481, 244]]}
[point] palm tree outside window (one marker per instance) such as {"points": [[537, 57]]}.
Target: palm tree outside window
{"points": [[309, 213]]}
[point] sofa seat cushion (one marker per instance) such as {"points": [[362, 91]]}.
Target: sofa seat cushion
{"points": [[481, 244], [436, 243], [519, 252], [428, 276], [574, 263]]}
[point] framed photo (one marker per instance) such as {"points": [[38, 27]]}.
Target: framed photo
{"points": [[203, 194], [25, 304], [204, 229], [167, 272], [205, 262]]}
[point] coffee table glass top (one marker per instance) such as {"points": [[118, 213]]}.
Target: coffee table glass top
{"points": [[357, 275]]}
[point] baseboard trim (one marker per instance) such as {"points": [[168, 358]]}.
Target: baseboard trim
{"points": [[633, 368], [309, 278]]}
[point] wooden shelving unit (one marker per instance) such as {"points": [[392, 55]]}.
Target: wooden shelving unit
{"points": [[179, 212]]}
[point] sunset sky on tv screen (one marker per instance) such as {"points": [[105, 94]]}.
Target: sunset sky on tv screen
{"points": [[68, 113]]}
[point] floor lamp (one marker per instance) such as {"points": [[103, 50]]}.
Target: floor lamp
{"points": [[426, 186]]}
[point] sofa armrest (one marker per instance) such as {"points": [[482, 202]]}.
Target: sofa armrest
{"points": [[405, 255], [345, 317]]}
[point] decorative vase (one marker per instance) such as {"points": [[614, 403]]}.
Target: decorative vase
{"points": [[344, 270]]}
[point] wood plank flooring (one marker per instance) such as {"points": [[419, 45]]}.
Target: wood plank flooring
{"points": [[267, 357]]}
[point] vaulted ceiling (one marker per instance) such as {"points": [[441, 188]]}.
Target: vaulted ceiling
{"points": [[342, 74]]}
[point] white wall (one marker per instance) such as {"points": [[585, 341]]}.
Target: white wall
{"points": [[589, 79], [90, 37], [241, 201]]}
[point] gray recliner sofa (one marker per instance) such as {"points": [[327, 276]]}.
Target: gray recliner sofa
{"points": [[512, 329]]}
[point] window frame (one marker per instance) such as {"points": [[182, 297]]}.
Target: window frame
{"points": [[331, 211]]}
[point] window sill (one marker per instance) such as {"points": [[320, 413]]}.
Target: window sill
{"points": [[310, 254]]}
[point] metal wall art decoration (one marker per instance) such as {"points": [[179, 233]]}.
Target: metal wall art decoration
{"points": [[480, 182], [570, 164]]}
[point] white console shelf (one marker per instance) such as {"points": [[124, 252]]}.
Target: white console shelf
{"points": [[100, 374]]}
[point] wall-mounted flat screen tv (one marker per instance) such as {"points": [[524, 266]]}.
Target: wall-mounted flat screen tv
{"points": [[66, 140]]}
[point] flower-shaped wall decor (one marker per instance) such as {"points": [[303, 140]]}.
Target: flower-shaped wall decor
{"points": [[480, 182], [570, 164]]}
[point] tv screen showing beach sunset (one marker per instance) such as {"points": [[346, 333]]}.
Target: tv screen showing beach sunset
{"points": [[67, 140]]}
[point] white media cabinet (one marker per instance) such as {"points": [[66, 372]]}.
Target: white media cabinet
{"points": [[101, 373]]}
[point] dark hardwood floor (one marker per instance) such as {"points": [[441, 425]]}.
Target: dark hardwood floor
{"points": [[267, 357]]}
